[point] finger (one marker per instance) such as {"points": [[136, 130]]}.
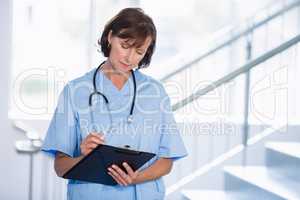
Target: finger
{"points": [[101, 135], [117, 176], [86, 151], [95, 140], [119, 170], [123, 174], [129, 170], [87, 148], [91, 145], [98, 135]]}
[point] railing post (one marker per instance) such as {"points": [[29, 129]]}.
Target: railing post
{"points": [[247, 92], [30, 146]]}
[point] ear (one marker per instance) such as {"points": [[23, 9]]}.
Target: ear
{"points": [[109, 36]]}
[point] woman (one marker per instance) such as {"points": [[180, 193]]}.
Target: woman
{"points": [[79, 125]]}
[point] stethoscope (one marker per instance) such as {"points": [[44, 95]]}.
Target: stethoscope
{"points": [[96, 92]]}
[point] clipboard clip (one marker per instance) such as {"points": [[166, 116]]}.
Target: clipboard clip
{"points": [[127, 150]]}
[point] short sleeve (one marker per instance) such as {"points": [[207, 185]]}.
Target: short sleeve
{"points": [[171, 143], [61, 134]]}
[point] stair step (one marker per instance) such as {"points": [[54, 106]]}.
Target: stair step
{"points": [[217, 194], [288, 148], [265, 179], [283, 155]]}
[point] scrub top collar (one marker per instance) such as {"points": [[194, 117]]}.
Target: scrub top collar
{"points": [[105, 85]]}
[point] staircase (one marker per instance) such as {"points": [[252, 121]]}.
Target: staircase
{"points": [[278, 178], [261, 165]]}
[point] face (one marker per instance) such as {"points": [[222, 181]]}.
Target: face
{"points": [[123, 56]]}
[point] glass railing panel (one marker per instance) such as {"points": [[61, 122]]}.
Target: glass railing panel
{"points": [[293, 92], [207, 70], [291, 23], [272, 92], [236, 51], [210, 127]]}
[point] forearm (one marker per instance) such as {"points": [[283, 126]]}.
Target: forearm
{"points": [[159, 168], [63, 163]]}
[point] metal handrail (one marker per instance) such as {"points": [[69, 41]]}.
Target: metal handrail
{"points": [[232, 39], [245, 68]]}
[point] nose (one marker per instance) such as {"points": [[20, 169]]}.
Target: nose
{"points": [[129, 57]]}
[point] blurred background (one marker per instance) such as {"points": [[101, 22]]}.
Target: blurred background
{"points": [[231, 69]]}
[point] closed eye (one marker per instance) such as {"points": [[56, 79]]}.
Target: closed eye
{"points": [[125, 46], [140, 52]]}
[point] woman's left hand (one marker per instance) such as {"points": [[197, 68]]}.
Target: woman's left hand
{"points": [[121, 177]]}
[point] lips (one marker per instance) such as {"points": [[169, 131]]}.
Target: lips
{"points": [[124, 65]]}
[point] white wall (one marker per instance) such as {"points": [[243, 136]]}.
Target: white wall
{"points": [[13, 167]]}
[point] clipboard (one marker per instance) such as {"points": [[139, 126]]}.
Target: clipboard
{"points": [[93, 167]]}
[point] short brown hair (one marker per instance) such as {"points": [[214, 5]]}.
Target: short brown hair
{"points": [[131, 23]]}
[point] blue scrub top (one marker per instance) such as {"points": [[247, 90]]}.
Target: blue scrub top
{"points": [[153, 130]]}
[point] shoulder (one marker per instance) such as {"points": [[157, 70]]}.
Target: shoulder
{"points": [[79, 86], [83, 79], [148, 83], [82, 84]]}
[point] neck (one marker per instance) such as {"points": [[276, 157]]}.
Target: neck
{"points": [[110, 71], [118, 78]]}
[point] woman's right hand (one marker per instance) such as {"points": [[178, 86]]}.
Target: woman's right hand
{"points": [[91, 142]]}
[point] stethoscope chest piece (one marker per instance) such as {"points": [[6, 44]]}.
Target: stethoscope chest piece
{"points": [[130, 119]]}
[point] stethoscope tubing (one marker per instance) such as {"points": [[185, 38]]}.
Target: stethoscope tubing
{"points": [[96, 92]]}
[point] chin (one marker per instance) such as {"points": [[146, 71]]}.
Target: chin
{"points": [[123, 68]]}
